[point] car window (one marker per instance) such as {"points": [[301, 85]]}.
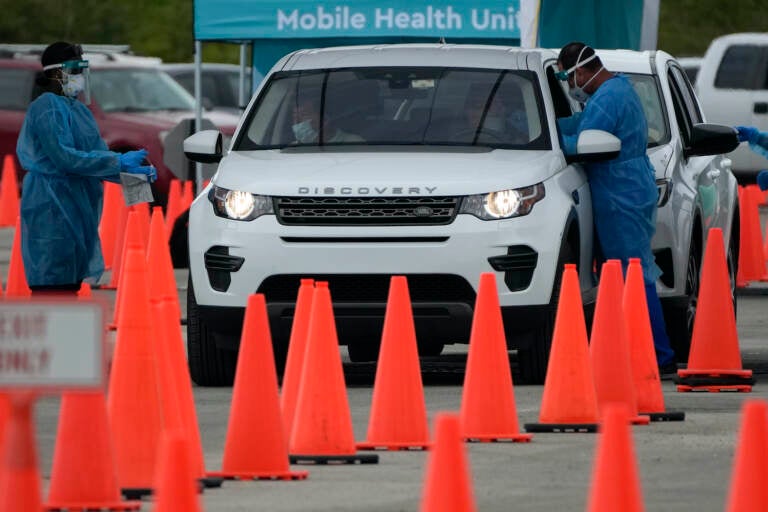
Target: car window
{"points": [[682, 115], [647, 88], [15, 88], [689, 97], [692, 72], [398, 106], [742, 67], [138, 90]]}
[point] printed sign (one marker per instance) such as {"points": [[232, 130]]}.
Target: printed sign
{"points": [[230, 19], [54, 346]]}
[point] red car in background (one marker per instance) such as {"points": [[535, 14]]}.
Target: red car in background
{"points": [[135, 103]]}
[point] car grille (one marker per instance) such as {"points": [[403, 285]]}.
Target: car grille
{"points": [[355, 211], [372, 288]]}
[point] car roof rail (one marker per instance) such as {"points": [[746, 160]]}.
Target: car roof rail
{"points": [[24, 50]]}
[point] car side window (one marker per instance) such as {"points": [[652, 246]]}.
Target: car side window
{"points": [[684, 121], [689, 96], [743, 66]]}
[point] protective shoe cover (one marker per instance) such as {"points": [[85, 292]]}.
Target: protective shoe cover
{"points": [[624, 190], [66, 159]]}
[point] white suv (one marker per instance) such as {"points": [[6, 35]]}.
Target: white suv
{"points": [[427, 188]]}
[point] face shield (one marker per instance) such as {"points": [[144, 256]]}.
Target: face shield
{"points": [[75, 78]]}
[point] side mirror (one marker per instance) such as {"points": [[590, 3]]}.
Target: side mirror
{"points": [[595, 146], [204, 147], [711, 139]]}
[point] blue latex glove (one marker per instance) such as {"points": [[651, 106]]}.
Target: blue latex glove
{"points": [[762, 180], [132, 159], [144, 169], [748, 133]]}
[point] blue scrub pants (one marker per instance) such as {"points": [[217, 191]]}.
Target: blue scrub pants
{"points": [[664, 353]]}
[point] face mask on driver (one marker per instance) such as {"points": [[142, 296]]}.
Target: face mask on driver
{"points": [[304, 132], [72, 85]]}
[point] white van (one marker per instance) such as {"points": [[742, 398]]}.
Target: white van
{"points": [[732, 86]]}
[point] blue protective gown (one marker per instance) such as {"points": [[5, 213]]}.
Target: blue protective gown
{"points": [[66, 159], [624, 193]]}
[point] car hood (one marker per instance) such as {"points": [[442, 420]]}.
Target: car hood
{"points": [[167, 119], [385, 173]]}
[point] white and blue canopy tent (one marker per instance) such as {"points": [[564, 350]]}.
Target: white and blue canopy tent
{"points": [[273, 28]]}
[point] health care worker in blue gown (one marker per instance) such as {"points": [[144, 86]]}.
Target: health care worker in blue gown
{"points": [[624, 192], [758, 142], [66, 161]]}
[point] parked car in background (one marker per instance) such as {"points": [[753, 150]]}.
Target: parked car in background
{"points": [[691, 66], [135, 103], [733, 89], [396, 182], [220, 82]]}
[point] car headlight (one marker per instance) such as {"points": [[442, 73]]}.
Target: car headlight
{"points": [[238, 204], [503, 204]]}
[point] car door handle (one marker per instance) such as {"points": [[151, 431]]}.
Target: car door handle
{"points": [[761, 107], [713, 174]]}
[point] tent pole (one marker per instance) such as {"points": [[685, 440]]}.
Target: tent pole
{"points": [[243, 65], [198, 107]]}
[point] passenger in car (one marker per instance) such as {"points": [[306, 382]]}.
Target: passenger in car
{"points": [[624, 192], [66, 161], [306, 124]]}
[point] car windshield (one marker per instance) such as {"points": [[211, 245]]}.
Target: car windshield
{"points": [[647, 88], [138, 90], [403, 106]]}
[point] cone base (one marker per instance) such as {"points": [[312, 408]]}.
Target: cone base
{"points": [[714, 381], [93, 505], [561, 428], [666, 416], [135, 493], [334, 459], [280, 475], [514, 438], [640, 419], [210, 482], [367, 445]]}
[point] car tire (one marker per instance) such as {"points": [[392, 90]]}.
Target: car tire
{"points": [[533, 361], [209, 365], [680, 316], [179, 241]]}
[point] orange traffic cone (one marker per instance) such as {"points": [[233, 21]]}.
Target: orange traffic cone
{"points": [[84, 476], [714, 362], [751, 267], [398, 414], [297, 346], [448, 482], [187, 194], [133, 240], [16, 284], [569, 400], [173, 208], [256, 444], [755, 232], [9, 193], [117, 256], [110, 218], [642, 355], [609, 348], [615, 478], [488, 410], [176, 398], [134, 402], [322, 427], [175, 477], [19, 473], [85, 291], [750, 464], [159, 261]]}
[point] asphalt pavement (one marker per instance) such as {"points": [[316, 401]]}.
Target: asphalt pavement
{"points": [[684, 466]]}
